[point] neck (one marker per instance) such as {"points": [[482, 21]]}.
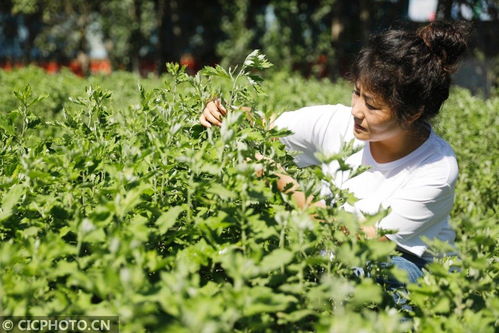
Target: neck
{"points": [[396, 147]]}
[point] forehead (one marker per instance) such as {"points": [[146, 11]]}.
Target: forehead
{"points": [[368, 93]]}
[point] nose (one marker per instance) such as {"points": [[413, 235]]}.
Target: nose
{"points": [[357, 108]]}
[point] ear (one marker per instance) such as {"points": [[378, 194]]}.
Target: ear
{"points": [[411, 119]]}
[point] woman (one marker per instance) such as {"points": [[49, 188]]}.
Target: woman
{"points": [[400, 81]]}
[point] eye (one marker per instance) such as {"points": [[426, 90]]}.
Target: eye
{"points": [[370, 107]]}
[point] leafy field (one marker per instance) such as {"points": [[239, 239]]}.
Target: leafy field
{"points": [[115, 201]]}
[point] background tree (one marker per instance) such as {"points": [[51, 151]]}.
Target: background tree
{"points": [[125, 25], [65, 25], [314, 37], [300, 33]]}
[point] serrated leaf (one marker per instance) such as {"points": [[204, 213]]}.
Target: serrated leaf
{"points": [[367, 292], [222, 192], [216, 71], [275, 260], [256, 60], [262, 299], [442, 306], [381, 249], [295, 316], [95, 236], [10, 200], [131, 199], [168, 219]]}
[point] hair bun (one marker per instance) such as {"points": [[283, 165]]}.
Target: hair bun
{"points": [[447, 40]]}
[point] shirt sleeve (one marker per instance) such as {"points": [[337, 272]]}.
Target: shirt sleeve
{"points": [[315, 128]]}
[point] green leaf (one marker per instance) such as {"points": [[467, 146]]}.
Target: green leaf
{"points": [[346, 255], [30, 232], [294, 316], [381, 250], [65, 268], [262, 299], [10, 200], [367, 292], [275, 260], [215, 71], [256, 60], [222, 192], [131, 199], [442, 306], [168, 219], [138, 227], [95, 236]]}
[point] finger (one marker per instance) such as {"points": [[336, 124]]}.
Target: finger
{"points": [[213, 110], [216, 114], [220, 107], [212, 119], [203, 121]]}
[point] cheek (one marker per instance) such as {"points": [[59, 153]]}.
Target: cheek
{"points": [[382, 125]]}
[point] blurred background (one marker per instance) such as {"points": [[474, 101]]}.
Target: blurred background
{"points": [[317, 38]]}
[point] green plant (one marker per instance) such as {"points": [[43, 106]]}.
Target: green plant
{"points": [[120, 203]]}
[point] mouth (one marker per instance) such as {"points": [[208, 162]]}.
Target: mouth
{"points": [[359, 128]]}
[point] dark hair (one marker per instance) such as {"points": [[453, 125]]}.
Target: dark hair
{"points": [[410, 71]]}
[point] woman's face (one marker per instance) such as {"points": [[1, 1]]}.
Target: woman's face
{"points": [[374, 120]]}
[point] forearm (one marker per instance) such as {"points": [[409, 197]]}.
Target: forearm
{"points": [[302, 201], [372, 233], [298, 197]]}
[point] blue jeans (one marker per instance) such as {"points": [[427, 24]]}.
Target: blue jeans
{"points": [[406, 262], [412, 266], [414, 271]]}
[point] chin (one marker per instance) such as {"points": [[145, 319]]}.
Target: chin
{"points": [[361, 136]]}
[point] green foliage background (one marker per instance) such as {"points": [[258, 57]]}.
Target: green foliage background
{"points": [[114, 201]]}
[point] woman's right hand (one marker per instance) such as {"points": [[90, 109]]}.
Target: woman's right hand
{"points": [[212, 114]]}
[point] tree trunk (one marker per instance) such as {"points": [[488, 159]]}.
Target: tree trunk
{"points": [[136, 38], [365, 21], [83, 20], [349, 30], [169, 33], [31, 25]]}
